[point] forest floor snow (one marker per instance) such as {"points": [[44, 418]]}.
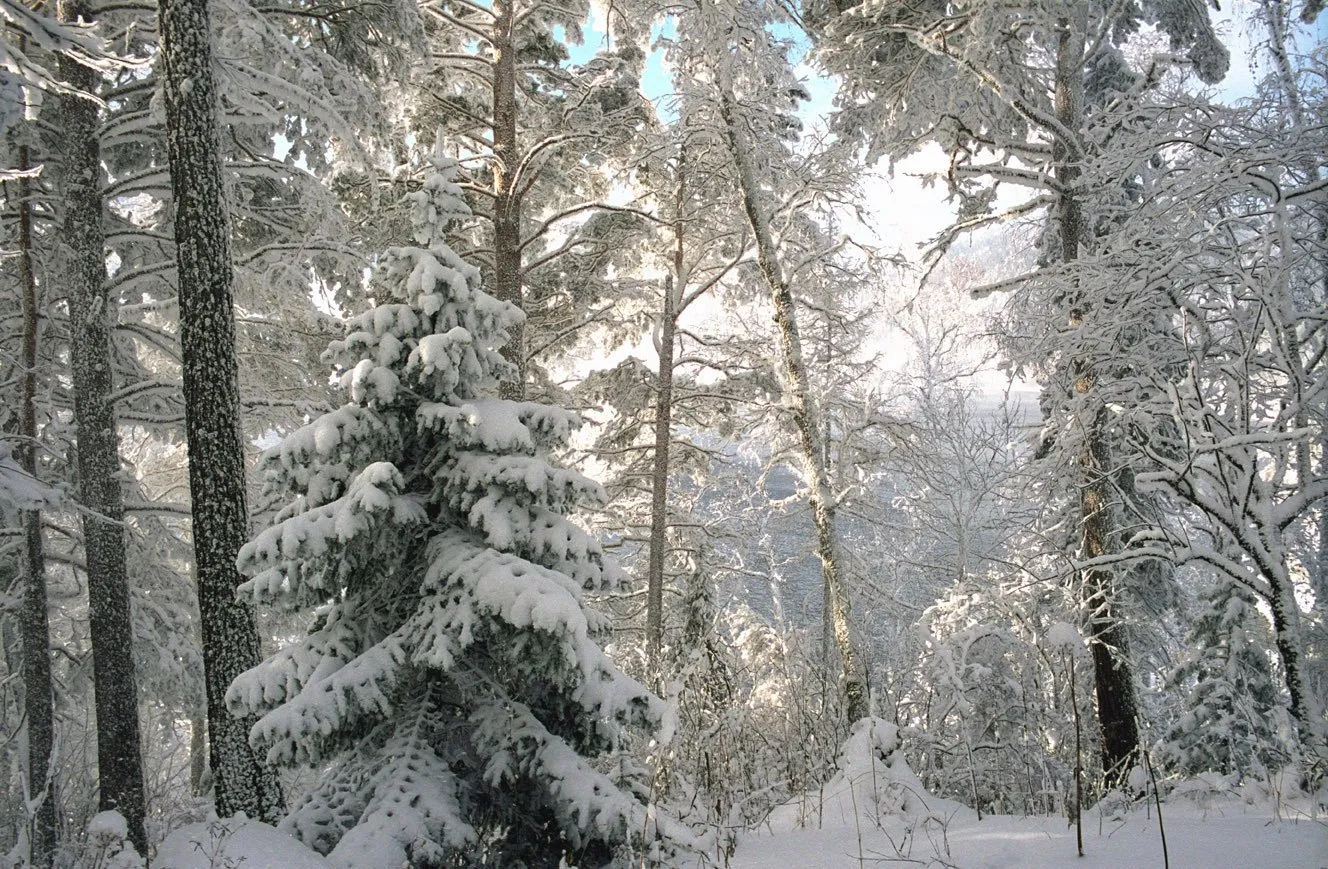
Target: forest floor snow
{"points": [[1233, 835], [235, 843], [874, 812], [1225, 835]]}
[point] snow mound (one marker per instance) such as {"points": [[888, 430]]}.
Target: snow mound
{"points": [[1063, 635], [109, 826], [108, 833], [235, 841], [873, 782]]}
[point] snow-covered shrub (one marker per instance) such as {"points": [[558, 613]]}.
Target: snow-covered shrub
{"points": [[758, 721], [108, 845], [874, 789], [873, 775], [451, 685], [985, 711]]}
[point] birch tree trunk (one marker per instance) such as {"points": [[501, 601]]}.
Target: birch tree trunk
{"points": [[802, 406], [91, 315], [38, 706], [212, 404], [1112, 672]]}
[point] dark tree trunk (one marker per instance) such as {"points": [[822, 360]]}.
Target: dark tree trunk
{"points": [[212, 404], [91, 315], [1112, 673], [1321, 561], [38, 706], [506, 196], [1117, 711], [197, 755], [674, 286], [1287, 635], [659, 482]]}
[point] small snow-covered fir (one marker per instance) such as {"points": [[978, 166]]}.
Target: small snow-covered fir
{"points": [[1231, 722], [451, 685]]}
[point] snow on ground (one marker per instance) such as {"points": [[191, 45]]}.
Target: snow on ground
{"points": [[1227, 834], [1234, 836], [875, 813], [235, 842]]}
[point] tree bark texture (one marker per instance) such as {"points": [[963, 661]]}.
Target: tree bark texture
{"points": [[197, 755], [1112, 672], [659, 479], [506, 196], [38, 704], [802, 406], [212, 406], [674, 286], [1117, 710], [1287, 634], [91, 316], [1321, 562], [1285, 610]]}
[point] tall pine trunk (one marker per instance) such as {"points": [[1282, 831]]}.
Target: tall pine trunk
{"points": [[506, 197], [212, 401], [799, 399], [1113, 675], [659, 480], [674, 285], [38, 705], [1112, 672], [91, 315]]}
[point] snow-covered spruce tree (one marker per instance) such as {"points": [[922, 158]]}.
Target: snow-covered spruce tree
{"points": [[1232, 707], [451, 682]]}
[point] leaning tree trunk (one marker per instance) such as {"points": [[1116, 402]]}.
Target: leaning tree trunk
{"points": [[212, 401], [38, 708], [91, 314], [1112, 673], [802, 405], [1288, 638], [506, 197]]}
